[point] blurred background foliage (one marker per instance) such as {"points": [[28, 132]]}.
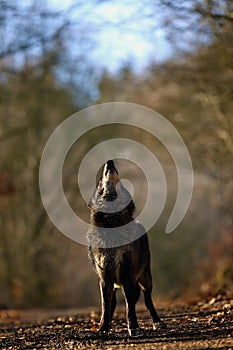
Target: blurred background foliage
{"points": [[42, 82]]}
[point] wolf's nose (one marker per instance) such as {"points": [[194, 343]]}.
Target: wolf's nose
{"points": [[110, 166]]}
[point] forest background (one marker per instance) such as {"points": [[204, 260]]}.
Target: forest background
{"points": [[44, 79]]}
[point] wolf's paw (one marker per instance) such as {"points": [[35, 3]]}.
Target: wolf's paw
{"points": [[136, 332], [103, 331], [159, 325]]}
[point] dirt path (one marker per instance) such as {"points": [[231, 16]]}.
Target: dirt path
{"points": [[206, 324]]}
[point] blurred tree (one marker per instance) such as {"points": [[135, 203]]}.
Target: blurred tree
{"points": [[198, 22], [32, 104], [209, 74], [32, 32], [23, 28]]}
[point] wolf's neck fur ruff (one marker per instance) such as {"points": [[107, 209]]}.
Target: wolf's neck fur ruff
{"points": [[108, 220]]}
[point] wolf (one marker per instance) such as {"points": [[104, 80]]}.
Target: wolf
{"points": [[125, 266]]}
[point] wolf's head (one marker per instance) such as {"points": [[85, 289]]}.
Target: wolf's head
{"points": [[110, 194]]}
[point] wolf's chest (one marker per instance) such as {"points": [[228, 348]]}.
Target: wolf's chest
{"points": [[111, 263]]}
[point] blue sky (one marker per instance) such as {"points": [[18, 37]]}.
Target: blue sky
{"points": [[123, 32]]}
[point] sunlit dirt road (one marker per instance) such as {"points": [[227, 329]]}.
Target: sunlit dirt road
{"points": [[203, 324]]}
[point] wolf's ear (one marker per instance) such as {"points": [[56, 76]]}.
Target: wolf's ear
{"points": [[94, 196]]}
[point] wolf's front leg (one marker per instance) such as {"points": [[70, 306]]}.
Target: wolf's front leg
{"points": [[106, 291]]}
